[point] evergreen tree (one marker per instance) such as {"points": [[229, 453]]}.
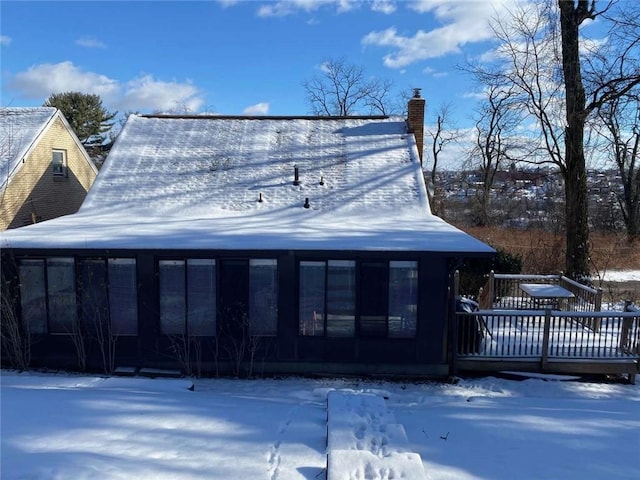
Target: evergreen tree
{"points": [[85, 113]]}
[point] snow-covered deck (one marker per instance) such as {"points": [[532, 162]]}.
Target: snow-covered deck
{"points": [[587, 340]]}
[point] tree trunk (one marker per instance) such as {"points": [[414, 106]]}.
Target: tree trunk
{"points": [[575, 174]]}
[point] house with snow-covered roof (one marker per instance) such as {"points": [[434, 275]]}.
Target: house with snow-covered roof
{"points": [[45, 172], [305, 244]]}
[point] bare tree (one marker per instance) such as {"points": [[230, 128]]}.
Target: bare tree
{"points": [[345, 89], [617, 123], [441, 134], [496, 121], [619, 127], [574, 169], [545, 68]]}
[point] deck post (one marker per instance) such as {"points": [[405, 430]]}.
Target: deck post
{"points": [[597, 306], [492, 280], [545, 338], [456, 283], [453, 329]]}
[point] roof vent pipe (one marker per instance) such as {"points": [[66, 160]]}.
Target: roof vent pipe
{"points": [[296, 179], [321, 180], [306, 203], [260, 197]]}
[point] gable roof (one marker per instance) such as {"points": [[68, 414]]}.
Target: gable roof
{"points": [[20, 128], [195, 183]]}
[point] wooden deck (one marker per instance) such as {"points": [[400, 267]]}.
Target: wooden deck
{"points": [[549, 342], [567, 341]]}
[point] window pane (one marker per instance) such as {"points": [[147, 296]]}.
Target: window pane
{"points": [[172, 297], [311, 312], [61, 291], [201, 297], [403, 299], [263, 297], [58, 163], [123, 296], [341, 298], [94, 303], [33, 296]]}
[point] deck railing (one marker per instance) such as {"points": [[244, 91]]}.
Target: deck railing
{"points": [[501, 291], [563, 334], [547, 335]]}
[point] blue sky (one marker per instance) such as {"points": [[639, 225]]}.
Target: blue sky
{"points": [[235, 57]]}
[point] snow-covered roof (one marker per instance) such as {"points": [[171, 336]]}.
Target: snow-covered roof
{"points": [[19, 128], [196, 183]]}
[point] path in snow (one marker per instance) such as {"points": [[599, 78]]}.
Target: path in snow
{"points": [[364, 441]]}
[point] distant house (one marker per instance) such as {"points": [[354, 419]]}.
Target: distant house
{"points": [[303, 244], [45, 171]]}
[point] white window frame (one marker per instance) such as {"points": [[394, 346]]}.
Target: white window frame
{"points": [[59, 168]]}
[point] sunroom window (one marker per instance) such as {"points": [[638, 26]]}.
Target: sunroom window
{"points": [[172, 297], [341, 298], [61, 293], [187, 291], [123, 296], [403, 299], [263, 297], [201, 296], [312, 293], [33, 295], [383, 304], [327, 287]]}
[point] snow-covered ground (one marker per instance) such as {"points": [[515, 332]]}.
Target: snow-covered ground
{"points": [[621, 276], [63, 426], [84, 427]]}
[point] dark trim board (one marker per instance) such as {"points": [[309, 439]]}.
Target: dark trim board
{"points": [[628, 367], [288, 351]]}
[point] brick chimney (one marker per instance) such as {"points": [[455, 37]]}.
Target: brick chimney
{"points": [[415, 119]]}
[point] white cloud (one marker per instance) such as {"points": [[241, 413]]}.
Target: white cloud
{"points": [[4, 40], [383, 6], [40, 81], [143, 93], [147, 93], [481, 95], [257, 109], [90, 42], [434, 73], [282, 8], [462, 22]]}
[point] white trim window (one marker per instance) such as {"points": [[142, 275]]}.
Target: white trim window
{"points": [[59, 163]]}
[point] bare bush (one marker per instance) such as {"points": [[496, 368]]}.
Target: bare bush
{"points": [[77, 337], [15, 337], [187, 350]]}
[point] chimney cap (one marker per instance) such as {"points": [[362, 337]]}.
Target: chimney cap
{"points": [[416, 92]]}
